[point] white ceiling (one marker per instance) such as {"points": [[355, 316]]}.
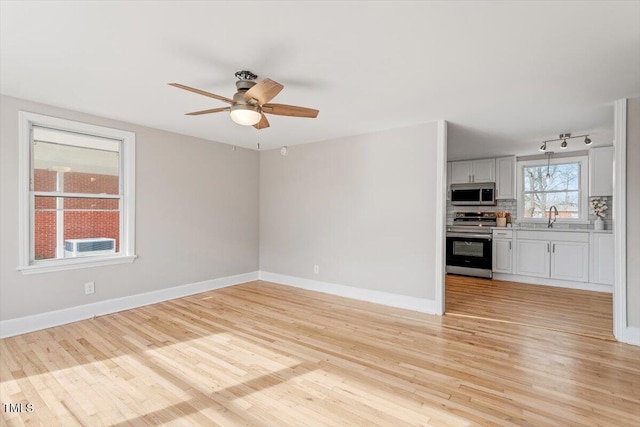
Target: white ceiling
{"points": [[506, 75]]}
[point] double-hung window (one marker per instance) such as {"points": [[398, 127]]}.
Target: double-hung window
{"points": [[76, 194], [560, 182]]}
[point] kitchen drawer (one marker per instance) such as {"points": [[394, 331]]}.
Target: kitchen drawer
{"points": [[502, 233]]}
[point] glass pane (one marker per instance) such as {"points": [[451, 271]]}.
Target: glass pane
{"points": [[75, 163], [560, 177], [536, 205], [565, 177], [45, 180], [90, 227], [468, 248], [557, 185], [45, 234]]}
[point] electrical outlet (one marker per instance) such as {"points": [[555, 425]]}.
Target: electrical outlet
{"points": [[316, 269], [89, 288]]}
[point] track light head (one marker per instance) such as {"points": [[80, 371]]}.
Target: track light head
{"points": [[564, 145], [543, 147], [587, 140]]}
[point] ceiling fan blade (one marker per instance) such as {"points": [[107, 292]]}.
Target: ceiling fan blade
{"points": [[263, 91], [263, 123], [290, 110], [213, 110], [201, 92]]}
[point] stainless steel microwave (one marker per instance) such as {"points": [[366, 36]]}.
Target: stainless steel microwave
{"points": [[473, 194]]}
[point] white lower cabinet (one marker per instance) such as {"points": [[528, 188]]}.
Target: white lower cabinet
{"points": [[502, 251], [602, 258], [553, 254], [532, 258], [570, 261]]}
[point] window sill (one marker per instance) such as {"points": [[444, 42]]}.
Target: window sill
{"points": [[75, 263]]}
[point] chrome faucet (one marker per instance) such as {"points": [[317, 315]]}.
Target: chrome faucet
{"points": [[555, 212]]}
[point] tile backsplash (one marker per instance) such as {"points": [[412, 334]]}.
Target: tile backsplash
{"points": [[501, 206], [511, 206]]}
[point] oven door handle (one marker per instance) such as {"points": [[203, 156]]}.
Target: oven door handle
{"points": [[470, 235]]}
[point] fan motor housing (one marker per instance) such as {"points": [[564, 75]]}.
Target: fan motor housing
{"points": [[245, 85]]}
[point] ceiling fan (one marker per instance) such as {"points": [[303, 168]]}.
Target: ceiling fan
{"points": [[251, 102]]}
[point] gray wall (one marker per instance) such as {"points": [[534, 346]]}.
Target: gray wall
{"points": [[633, 209], [362, 208], [196, 218]]}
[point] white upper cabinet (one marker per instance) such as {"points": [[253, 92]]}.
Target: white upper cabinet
{"points": [[483, 170], [506, 178], [601, 171], [461, 172]]}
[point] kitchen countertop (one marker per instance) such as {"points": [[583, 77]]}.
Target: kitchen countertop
{"points": [[570, 230]]}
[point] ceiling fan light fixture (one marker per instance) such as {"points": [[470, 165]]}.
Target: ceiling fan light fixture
{"points": [[245, 114]]}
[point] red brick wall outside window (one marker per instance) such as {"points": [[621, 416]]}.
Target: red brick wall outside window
{"points": [[87, 223]]}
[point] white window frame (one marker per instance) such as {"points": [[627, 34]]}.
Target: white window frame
{"points": [[26, 121], [583, 162]]}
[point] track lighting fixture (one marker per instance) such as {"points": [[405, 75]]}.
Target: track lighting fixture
{"points": [[563, 137]]}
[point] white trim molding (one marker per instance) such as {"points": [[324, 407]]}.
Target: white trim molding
{"points": [[127, 140], [422, 305], [620, 327], [545, 281], [48, 266], [631, 335], [581, 160], [441, 215], [22, 325]]}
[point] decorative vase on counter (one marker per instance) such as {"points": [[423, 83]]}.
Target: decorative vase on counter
{"points": [[598, 224], [501, 222]]}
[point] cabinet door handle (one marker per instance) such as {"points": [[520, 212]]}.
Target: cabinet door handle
{"points": [[470, 178], [554, 248], [509, 245], [547, 247]]}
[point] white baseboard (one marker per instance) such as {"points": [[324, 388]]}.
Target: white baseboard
{"points": [[631, 335], [422, 305], [552, 282], [22, 325]]}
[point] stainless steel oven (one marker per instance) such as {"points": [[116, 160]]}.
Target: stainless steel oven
{"points": [[469, 244]]}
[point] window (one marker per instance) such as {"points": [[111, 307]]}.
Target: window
{"points": [[561, 183], [76, 194]]}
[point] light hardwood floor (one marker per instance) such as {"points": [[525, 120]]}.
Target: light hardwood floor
{"points": [[571, 310], [266, 354]]}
